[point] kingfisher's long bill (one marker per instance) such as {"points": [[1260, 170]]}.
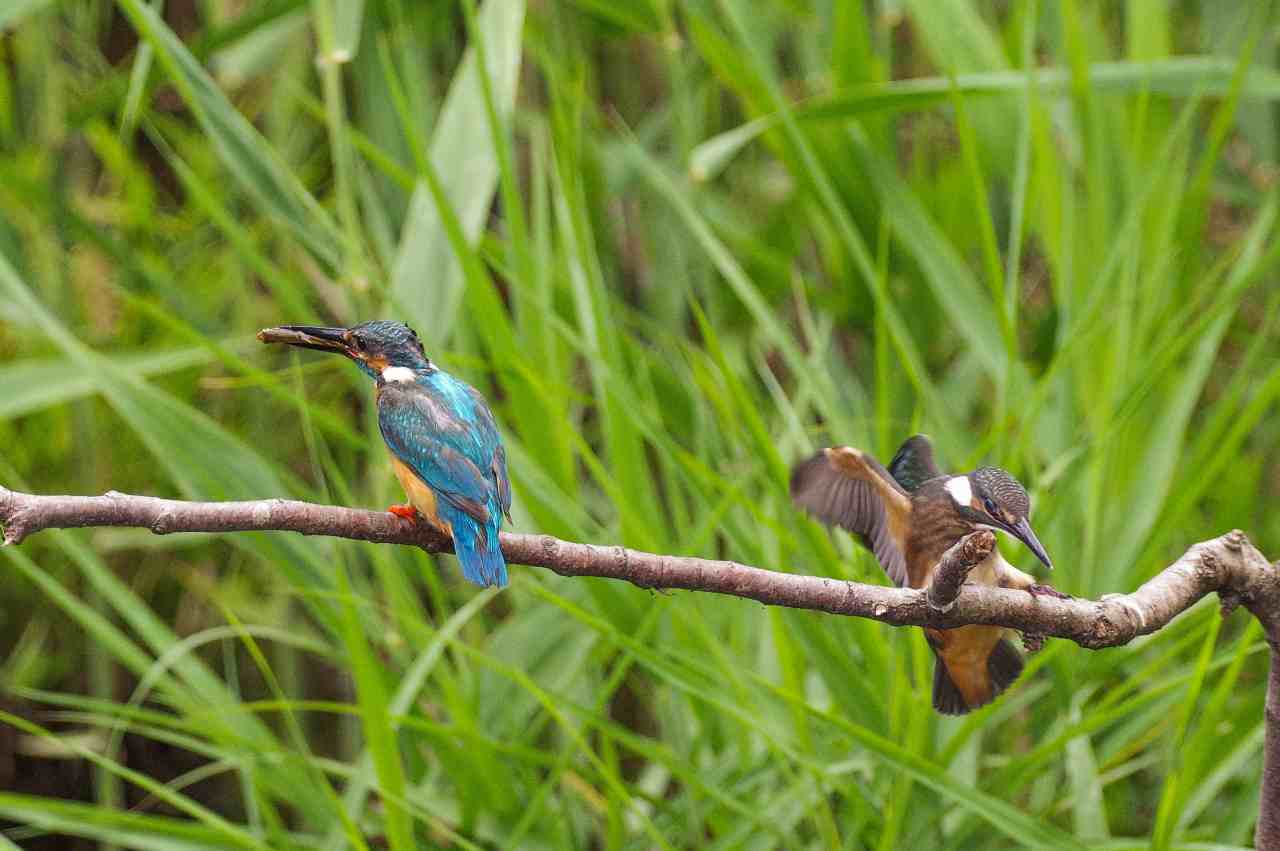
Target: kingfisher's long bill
{"points": [[444, 443], [908, 516]]}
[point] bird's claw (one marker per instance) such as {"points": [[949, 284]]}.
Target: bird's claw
{"points": [[407, 512], [1032, 642], [1038, 590]]}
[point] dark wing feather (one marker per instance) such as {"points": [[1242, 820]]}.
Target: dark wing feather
{"points": [[499, 470], [838, 499], [487, 429], [913, 464]]}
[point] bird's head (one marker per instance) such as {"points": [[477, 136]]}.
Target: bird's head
{"points": [[991, 498], [377, 347]]}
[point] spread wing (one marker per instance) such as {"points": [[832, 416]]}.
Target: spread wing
{"points": [[845, 487], [442, 449], [913, 464]]}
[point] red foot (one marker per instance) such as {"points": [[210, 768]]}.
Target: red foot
{"points": [[1038, 590], [408, 512]]}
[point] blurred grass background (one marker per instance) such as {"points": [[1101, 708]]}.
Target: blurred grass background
{"points": [[678, 244]]}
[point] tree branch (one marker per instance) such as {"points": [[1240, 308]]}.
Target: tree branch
{"points": [[1267, 835], [1228, 564], [954, 566]]}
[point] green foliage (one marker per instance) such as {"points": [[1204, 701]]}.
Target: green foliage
{"points": [[679, 244]]}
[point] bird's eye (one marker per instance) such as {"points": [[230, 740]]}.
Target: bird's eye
{"points": [[358, 343], [990, 505]]}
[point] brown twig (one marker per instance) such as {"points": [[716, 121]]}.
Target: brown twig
{"points": [[954, 566], [1228, 564], [1267, 835]]}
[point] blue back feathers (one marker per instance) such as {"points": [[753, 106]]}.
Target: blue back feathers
{"points": [[442, 429]]}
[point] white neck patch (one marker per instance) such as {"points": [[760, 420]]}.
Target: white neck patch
{"points": [[957, 486], [398, 373]]}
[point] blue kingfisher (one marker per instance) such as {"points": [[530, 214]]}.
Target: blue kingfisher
{"points": [[444, 443], [908, 516]]}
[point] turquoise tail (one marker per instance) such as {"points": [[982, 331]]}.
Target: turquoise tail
{"points": [[477, 548]]}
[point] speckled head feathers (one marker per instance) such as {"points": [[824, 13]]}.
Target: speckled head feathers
{"points": [[384, 343], [395, 340], [996, 484]]}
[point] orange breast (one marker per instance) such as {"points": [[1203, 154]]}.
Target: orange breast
{"points": [[420, 496], [965, 651]]}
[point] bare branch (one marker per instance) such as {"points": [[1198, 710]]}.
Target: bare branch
{"points": [[1267, 835], [1228, 563], [954, 566]]}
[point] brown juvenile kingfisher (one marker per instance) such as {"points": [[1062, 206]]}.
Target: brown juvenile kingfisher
{"points": [[908, 516]]}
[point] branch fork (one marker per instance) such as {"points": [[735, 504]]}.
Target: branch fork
{"points": [[1228, 565], [954, 566]]}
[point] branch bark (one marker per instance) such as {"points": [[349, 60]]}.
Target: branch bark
{"points": [[1228, 565], [954, 566], [1267, 835]]}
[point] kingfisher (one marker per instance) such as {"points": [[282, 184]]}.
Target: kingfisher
{"points": [[908, 516], [444, 442]]}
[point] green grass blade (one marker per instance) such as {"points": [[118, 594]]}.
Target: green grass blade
{"points": [[241, 148], [426, 279]]}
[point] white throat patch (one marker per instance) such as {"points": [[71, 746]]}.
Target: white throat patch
{"points": [[957, 486], [398, 373]]}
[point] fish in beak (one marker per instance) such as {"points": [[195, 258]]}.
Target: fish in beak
{"points": [[315, 337]]}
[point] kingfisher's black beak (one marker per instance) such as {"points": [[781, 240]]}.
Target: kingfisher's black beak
{"points": [[308, 337], [1022, 529]]}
